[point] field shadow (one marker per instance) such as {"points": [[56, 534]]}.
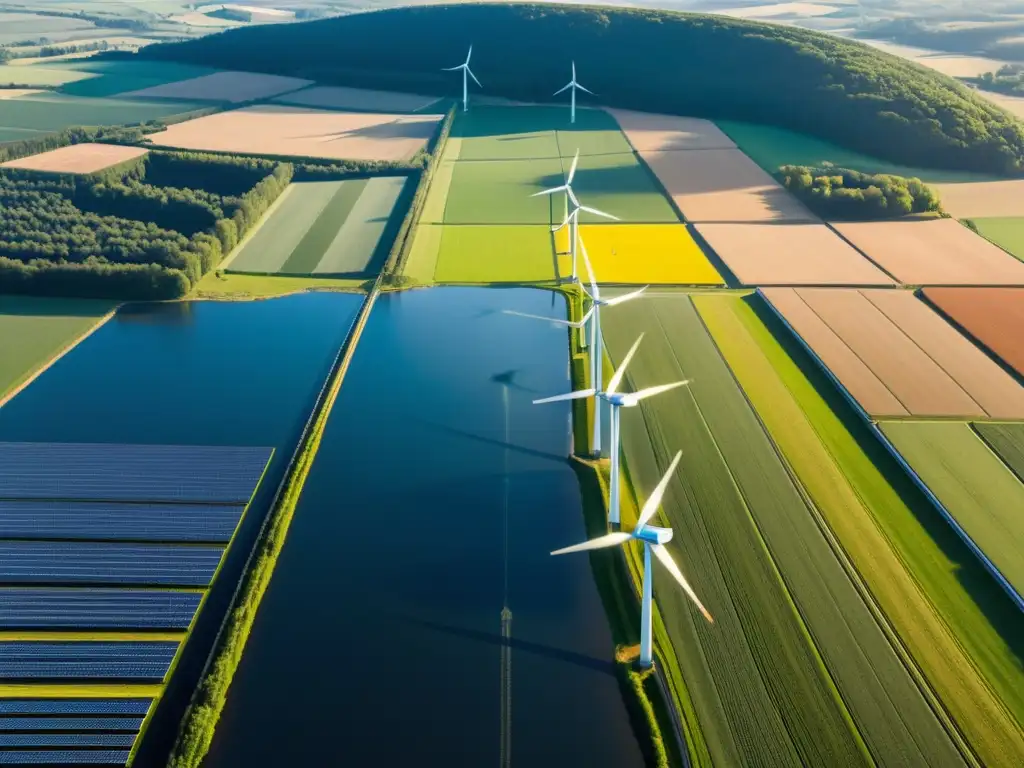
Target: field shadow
{"points": [[992, 601], [489, 441], [47, 306]]}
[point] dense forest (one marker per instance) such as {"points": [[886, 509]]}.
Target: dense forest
{"points": [[708, 66], [839, 193], [149, 229]]}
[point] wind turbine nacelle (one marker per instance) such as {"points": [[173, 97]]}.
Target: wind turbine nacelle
{"points": [[652, 534]]}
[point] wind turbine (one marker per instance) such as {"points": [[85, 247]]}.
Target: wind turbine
{"points": [[616, 401], [654, 540], [465, 83], [575, 87], [572, 218]]}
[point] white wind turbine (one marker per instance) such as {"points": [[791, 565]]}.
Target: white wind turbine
{"points": [[654, 540], [572, 218], [465, 82], [574, 86], [616, 401], [593, 316]]}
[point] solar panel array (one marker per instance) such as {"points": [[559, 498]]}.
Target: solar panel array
{"points": [[113, 521], [142, 473], [97, 537]]}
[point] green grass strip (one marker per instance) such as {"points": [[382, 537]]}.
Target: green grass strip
{"points": [[318, 238], [958, 626], [1008, 441]]}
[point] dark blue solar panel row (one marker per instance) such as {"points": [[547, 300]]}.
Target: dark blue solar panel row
{"points": [[70, 723], [66, 739], [54, 608], [74, 706], [29, 660], [143, 473], [33, 562], [112, 521], [64, 757]]}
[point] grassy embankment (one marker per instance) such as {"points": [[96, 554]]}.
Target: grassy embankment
{"points": [[197, 729], [36, 332], [950, 623]]}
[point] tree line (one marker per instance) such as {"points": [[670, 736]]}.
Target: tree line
{"points": [[839, 193], [706, 66]]}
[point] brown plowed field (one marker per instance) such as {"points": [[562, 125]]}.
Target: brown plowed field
{"points": [[273, 129], [647, 132], [77, 158], [232, 87], [923, 362], [790, 254], [982, 199], [933, 252], [994, 316], [723, 185]]}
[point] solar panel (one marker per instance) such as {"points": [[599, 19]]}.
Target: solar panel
{"points": [[56, 608], [143, 473], [70, 723], [64, 757], [109, 521], [74, 706], [32, 562], [66, 739], [31, 660]]}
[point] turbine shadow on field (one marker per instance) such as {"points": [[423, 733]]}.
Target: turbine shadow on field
{"points": [[991, 600], [490, 441]]}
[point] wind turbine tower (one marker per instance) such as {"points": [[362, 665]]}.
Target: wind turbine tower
{"points": [[466, 74], [654, 540], [572, 87]]}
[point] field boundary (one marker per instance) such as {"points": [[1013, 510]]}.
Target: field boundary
{"points": [[21, 386], [267, 215], [198, 726]]}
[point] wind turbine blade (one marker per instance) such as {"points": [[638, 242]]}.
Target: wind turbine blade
{"points": [[556, 320], [670, 565], [551, 191], [575, 202], [601, 542], [616, 379], [654, 500], [562, 90], [574, 71], [595, 292], [565, 221], [599, 213], [585, 90], [469, 55], [643, 394], [577, 395], [470, 71], [572, 171], [452, 69], [624, 297]]}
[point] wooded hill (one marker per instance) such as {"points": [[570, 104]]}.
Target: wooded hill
{"points": [[659, 61]]}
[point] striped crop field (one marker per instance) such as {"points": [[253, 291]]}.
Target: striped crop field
{"points": [[795, 670], [647, 254], [499, 192], [959, 628], [45, 112], [1008, 441], [325, 228], [491, 254], [972, 483]]}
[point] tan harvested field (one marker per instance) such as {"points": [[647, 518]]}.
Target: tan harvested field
{"points": [[649, 132], [1012, 104], [723, 185], [232, 87], [78, 158], [13, 93], [933, 252], [952, 64], [790, 254], [982, 199], [895, 356], [297, 131], [994, 316], [332, 97], [775, 10]]}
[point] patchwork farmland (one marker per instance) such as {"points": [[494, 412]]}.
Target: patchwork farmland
{"points": [[325, 228], [77, 158]]}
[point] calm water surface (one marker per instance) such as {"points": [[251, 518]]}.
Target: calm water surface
{"points": [[198, 373], [379, 639]]}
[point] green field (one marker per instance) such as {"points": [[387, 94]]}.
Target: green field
{"points": [[1007, 233], [230, 287], [494, 254], [54, 111], [89, 77], [325, 228], [795, 670], [18, 26], [946, 609], [974, 486], [499, 192], [772, 147], [1008, 441], [34, 330]]}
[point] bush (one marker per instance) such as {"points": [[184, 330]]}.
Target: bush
{"points": [[839, 193]]}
